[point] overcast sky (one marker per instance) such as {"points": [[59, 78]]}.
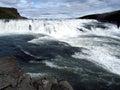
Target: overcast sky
{"points": [[60, 8]]}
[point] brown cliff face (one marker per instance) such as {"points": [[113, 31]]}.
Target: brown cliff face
{"points": [[110, 17], [9, 13]]}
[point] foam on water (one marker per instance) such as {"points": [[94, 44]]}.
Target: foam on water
{"points": [[78, 33], [98, 52], [101, 57], [37, 74], [41, 39], [55, 28], [52, 65]]}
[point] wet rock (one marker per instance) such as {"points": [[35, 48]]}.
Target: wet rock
{"points": [[12, 77], [44, 83], [65, 85], [48, 82], [109, 17], [10, 73]]}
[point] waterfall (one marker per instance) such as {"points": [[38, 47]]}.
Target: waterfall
{"points": [[100, 39], [55, 28]]}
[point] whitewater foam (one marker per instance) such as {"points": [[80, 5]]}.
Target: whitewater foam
{"points": [[102, 57], [37, 74], [52, 65], [54, 28], [39, 40], [75, 33]]}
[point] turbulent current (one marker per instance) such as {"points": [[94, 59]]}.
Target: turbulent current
{"points": [[84, 52]]}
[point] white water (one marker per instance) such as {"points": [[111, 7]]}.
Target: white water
{"points": [[68, 31], [57, 28]]}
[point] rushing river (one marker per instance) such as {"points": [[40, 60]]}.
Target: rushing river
{"points": [[84, 52]]}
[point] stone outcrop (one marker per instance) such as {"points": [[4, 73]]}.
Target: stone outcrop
{"points": [[9, 13], [110, 17], [12, 77]]}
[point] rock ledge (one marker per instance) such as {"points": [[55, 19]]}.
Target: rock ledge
{"points": [[12, 77]]}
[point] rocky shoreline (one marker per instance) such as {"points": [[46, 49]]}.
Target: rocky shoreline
{"points": [[109, 17], [12, 77]]}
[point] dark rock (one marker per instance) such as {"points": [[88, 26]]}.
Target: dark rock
{"points": [[64, 85], [110, 17], [44, 83], [12, 77], [10, 73], [10, 13]]}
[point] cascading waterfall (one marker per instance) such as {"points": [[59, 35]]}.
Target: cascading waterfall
{"points": [[78, 33], [37, 26], [86, 52], [56, 28]]}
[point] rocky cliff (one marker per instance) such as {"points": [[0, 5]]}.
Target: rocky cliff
{"points": [[110, 17], [9, 13], [12, 77]]}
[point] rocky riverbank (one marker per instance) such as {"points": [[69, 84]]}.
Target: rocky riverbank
{"points": [[109, 17], [12, 77]]}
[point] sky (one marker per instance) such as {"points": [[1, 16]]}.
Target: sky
{"points": [[60, 8]]}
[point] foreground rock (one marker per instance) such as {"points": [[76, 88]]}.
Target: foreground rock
{"points": [[12, 77], [111, 17]]}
